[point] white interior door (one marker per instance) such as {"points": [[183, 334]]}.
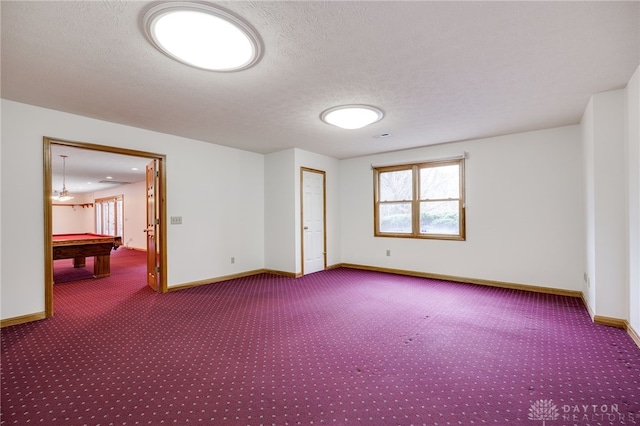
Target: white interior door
{"points": [[313, 221]]}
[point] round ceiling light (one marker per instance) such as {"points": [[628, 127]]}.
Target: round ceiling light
{"points": [[352, 116], [203, 36]]}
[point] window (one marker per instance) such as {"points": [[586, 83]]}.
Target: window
{"points": [[424, 200], [109, 215]]}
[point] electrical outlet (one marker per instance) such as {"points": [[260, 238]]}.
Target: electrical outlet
{"points": [[233, 260], [388, 252], [176, 220]]}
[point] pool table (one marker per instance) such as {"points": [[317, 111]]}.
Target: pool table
{"points": [[79, 246]]}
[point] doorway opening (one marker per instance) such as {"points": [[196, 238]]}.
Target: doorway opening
{"points": [[156, 203]]}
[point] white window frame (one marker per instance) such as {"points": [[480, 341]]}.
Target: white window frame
{"points": [[117, 214]]}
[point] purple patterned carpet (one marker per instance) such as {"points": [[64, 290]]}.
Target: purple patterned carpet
{"points": [[336, 347]]}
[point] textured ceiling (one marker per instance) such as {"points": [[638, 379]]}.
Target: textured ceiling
{"points": [[441, 71]]}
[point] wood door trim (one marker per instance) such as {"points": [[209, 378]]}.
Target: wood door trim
{"points": [[152, 187], [48, 206]]}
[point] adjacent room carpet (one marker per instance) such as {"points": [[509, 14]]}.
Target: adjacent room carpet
{"points": [[337, 347]]}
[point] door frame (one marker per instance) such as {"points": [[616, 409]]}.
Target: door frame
{"points": [[324, 214], [160, 204]]}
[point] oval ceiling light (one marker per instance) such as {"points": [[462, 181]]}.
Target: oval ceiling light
{"points": [[203, 36], [352, 116]]}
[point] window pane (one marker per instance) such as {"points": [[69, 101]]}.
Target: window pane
{"points": [[105, 218], [98, 208], [396, 186], [440, 182], [119, 217], [112, 218], [439, 217], [395, 218]]}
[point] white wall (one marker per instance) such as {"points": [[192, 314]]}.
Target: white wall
{"points": [[218, 191], [606, 195], [279, 198], [523, 212], [528, 220], [282, 208], [72, 217], [632, 98], [588, 205], [135, 212], [1, 203]]}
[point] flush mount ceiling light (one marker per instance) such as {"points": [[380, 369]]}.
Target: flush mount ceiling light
{"points": [[203, 36], [352, 116]]}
